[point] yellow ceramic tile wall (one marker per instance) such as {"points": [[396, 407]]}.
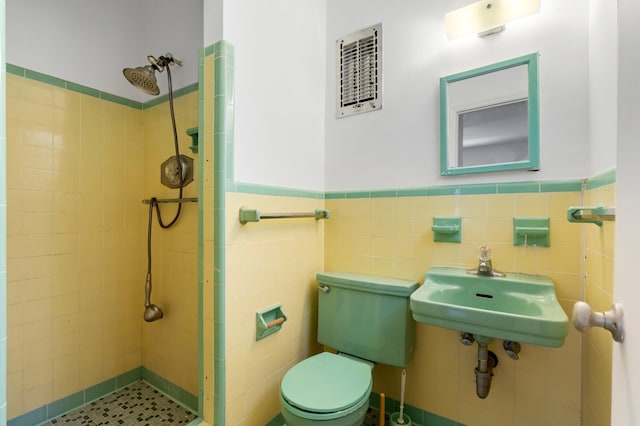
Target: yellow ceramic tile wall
{"points": [[597, 343], [74, 244], [170, 346], [206, 139], [393, 237], [267, 263]]}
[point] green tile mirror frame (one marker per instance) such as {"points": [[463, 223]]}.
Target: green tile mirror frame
{"points": [[489, 118]]}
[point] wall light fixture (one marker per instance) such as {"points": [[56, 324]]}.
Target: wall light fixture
{"points": [[487, 17]]}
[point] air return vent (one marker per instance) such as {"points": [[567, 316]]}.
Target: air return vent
{"points": [[359, 72]]}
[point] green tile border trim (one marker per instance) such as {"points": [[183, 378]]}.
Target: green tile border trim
{"points": [[566, 185], [574, 185], [417, 415], [74, 87], [83, 397], [252, 188], [602, 179]]}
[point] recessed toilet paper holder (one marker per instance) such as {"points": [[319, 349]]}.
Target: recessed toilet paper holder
{"points": [[584, 318], [269, 320]]}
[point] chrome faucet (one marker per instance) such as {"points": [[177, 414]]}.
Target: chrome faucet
{"points": [[485, 267]]}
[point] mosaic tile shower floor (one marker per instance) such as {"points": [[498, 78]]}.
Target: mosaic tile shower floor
{"points": [[136, 404]]}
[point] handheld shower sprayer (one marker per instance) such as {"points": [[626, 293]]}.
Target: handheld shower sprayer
{"points": [[151, 312]]}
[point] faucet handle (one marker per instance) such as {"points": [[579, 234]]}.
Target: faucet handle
{"points": [[484, 253]]}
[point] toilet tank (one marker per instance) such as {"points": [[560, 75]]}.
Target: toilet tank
{"points": [[367, 316]]}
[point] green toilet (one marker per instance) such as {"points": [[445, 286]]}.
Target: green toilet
{"points": [[367, 320]]}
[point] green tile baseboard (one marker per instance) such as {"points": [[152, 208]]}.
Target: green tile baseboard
{"points": [[83, 397], [418, 417]]}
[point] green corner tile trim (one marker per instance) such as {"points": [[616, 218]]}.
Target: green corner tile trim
{"points": [[80, 398], [223, 123], [74, 87]]}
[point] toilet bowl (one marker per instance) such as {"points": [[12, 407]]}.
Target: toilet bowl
{"points": [[367, 319], [327, 389]]}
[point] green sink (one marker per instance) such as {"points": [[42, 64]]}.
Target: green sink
{"points": [[518, 307]]}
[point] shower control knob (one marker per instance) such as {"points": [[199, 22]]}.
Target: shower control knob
{"points": [[170, 172]]}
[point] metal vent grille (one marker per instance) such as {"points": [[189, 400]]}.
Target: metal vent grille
{"points": [[359, 72]]}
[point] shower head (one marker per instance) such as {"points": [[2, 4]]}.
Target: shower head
{"points": [[144, 78]]}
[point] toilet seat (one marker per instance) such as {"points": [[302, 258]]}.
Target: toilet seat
{"points": [[327, 383]]}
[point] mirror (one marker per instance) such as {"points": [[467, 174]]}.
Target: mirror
{"points": [[489, 118]]}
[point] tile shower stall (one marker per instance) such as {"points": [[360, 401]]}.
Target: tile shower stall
{"points": [[79, 165]]}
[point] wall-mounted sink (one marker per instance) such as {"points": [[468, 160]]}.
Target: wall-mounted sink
{"points": [[516, 307]]}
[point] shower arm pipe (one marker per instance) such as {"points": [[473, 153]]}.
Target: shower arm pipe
{"points": [[171, 200]]}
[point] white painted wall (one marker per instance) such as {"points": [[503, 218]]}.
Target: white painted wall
{"points": [[398, 146], [89, 41], [212, 21], [279, 91], [603, 85], [626, 368]]}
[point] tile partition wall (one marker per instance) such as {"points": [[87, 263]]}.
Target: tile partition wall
{"points": [[216, 123], [206, 216]]}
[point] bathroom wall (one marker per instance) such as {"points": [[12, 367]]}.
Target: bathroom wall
{"points": [[170, 346], [270, 262], [74, 241], [603, 85], [398, 146], [599, 242], [280, 91], [89, 42], [391, 236]]}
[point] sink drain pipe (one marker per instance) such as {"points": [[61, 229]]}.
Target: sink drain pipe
{"points": [[487, 360]]}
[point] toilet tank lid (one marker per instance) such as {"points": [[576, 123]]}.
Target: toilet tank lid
{"points": [[370, 283]]}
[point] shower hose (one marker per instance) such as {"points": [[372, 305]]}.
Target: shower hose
{"points": [[153, 203]]}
